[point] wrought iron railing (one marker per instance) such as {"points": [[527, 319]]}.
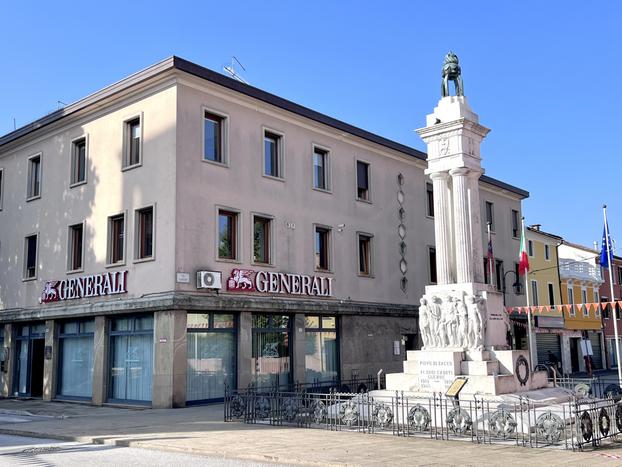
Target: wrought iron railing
{"points": [[595, 387], [354, 384], [574, 424]]}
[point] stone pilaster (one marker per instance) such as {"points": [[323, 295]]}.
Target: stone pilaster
{"points": [[476, 226], [442, 227], [9, 364], [462, 235], [170, 360], [245, 349], [100, 361], [299, 363], [50, 361]]}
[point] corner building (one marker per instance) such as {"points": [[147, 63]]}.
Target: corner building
{"points": [[179, 230]]}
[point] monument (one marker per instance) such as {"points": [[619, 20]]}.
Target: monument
{"points": [[462, 321]]}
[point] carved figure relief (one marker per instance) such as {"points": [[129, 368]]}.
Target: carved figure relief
{"points": [[454, 320]]}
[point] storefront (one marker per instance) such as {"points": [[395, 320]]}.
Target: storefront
{"points": [[271, 364], [75, 367], [131, 359], [212, 353], [30, 348]]}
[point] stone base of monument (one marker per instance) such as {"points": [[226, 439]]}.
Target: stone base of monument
{"points": [[488, 372]]}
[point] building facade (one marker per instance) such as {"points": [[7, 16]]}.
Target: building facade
{"points": [[607, 313], [580, 284], [179, 231]]}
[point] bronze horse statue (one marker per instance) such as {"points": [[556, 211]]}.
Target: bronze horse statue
{"points": [[451, 71]]}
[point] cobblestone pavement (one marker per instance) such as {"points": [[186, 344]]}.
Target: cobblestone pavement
{"points": [[201, 431]]}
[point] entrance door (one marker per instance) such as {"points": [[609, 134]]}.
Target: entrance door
{"points": [[36, 374], [574, 354]]}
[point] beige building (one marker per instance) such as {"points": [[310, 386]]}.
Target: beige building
{"points": [[179, 230]]}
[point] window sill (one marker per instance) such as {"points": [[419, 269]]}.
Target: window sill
{"points": [[262, 265], [144, 260], [429, 217], [272, 177], [363, 200], [366, 276], [115, 265], [130, 167], [216, 163], [32, 198], [229, 260], [324, 271], [76, 184], [29, 279], [74, 271], [323, 190]]}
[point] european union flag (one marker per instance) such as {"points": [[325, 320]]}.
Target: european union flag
{"points": [[605, 260]]}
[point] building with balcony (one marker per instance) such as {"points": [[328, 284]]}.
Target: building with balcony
{"points": [[607, 313], [179, 231], [580, 284]]}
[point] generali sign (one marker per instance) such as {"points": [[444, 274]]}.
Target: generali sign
{"points": [[248, 280], [96, 285]]}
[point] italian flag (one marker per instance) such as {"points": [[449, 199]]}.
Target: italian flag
{"points": [[523, 259]]}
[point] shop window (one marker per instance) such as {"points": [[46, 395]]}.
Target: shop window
{"points": [[76, 359], [321, 350], [131, 358], [227, 234], [262, 231], [211, 346], [271, 351]]}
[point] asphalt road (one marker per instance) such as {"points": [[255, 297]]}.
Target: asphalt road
{"points": [[17, 450]]}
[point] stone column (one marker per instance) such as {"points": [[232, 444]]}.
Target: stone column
{"points": [[9, 365], [442, 226], [299, 363], [170, 359], [100, 361], [476, 226], [463, 248], [245, 350], [50, 360]]}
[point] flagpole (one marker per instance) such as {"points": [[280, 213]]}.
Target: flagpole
{"points": [[527, 286], [613, 300], [490, 259]]}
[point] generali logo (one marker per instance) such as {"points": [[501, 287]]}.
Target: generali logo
{"points": [[248, 280], [96, 285]]}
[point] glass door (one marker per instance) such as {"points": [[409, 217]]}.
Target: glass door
{"points": [[271, 352]]}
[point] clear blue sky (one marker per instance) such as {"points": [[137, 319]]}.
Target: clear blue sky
{"points": [[544, 76]]}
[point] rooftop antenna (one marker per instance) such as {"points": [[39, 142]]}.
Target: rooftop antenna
{"points": [[230, 70], [60, 104], [14, 124]]}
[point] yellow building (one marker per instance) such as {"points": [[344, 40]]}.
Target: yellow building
{"points": [[580, 282], [544, 291]]}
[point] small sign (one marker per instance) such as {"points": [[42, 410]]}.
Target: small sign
{"points": [[163, 340], [396, 347], [456, 386], [47, 352], [183, 277]]}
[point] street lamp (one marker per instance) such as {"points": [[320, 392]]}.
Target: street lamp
{"points": [[516, 285]]}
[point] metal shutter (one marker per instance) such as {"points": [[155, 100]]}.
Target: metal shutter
{"points": [[545, 343], [597, 358]]}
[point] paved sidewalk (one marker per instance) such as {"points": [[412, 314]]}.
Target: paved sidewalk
{"points": [[201, 431]]}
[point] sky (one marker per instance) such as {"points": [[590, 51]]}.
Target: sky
{"points": [[543, 76]]}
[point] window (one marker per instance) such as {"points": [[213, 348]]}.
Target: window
{"points": [[597, 302], [271, 351], [429, 197], [321, 349], [144, 233], [133, 136], [34, 177], [320, 169], [586, 311], [78, 161], [75, 370], [362, 180], [75, 249], [321, 248], [534, 293], [490, 215], [262, 231], [432, 264], [518, 279], [571, 301], [1, 187], [272, 154], [227, 234], [487, 269], [498, 273], [547, 252], [213, 136], [515, 224], [551, 294], [30, 257], [530, 248], [619, 268], [596, 299], [364, 242], [116, 239]]}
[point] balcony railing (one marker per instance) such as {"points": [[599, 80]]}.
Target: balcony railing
{"points": [[579, 270]]}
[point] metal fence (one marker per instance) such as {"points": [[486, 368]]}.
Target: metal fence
{"points": [[597, 386], [575, 424]]}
